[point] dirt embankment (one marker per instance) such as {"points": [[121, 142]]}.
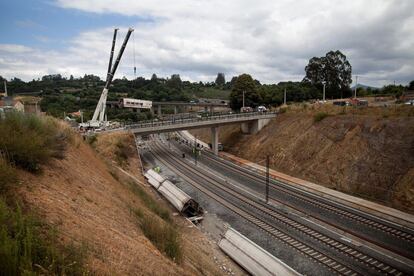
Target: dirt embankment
{"points": [[88, 202], [365, 154]]}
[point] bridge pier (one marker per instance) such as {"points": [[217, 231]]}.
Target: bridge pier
{"points": [[159, 113], [175, 109], [214, 139], [254, 126]]}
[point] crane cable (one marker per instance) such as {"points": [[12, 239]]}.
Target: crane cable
{"points": [[133, 47]]}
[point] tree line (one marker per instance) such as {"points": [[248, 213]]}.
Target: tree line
{"points": [[60, 94]]}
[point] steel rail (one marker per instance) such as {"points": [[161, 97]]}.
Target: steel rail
{"points": [[302, 248], [365, 221], [340, 247], [346, 211]]}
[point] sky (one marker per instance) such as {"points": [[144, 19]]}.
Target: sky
{"points": [[271, 40]]}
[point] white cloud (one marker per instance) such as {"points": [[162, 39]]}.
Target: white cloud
{"points": [[14, 48], [272, 40]]}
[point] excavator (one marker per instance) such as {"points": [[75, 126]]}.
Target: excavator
{"points": [[99, 120]]}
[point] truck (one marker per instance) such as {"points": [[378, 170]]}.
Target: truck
{"points": [[261, 108]]}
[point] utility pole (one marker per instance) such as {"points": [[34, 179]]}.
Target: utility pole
{"points": [[243, 98], [195, 150], [284, 101], [169, 141], [356, 85], [267, 179], [5, 88], [324, 84]]}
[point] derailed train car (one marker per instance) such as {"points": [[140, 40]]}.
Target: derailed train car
{"points": [[251, 256], [154, 178], [179, 199]]}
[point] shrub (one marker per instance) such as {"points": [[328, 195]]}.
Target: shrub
{"points": [[27, 249], [150, 202], [163, 235], [121, 152], [282, 110], [28, 140], [91, 139], [320, 116], [8, 175], [304, 106]]}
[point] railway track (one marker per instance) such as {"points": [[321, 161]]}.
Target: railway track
{"points": [[216, 190], [395, 232]]}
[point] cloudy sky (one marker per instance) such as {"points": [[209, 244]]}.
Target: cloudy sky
{"points": [[272, 40]]}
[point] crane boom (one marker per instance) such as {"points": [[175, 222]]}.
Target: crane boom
{"points": [[112, 54], [118, 58], [101, 106]]}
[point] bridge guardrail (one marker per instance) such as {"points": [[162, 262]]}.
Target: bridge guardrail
{"points": [[189, 119]]}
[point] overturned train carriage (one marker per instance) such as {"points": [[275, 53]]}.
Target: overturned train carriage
{"points": [[179, 199], [252, 257], [154, 178]]}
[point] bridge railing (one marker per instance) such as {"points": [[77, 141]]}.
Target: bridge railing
{"points": [[192, 119]]}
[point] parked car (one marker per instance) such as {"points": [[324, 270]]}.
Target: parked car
{"points": [[245, 109], [410, 102]]}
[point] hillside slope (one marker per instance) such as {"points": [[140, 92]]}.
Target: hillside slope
{"points": [[371, 156], [91, 203]]}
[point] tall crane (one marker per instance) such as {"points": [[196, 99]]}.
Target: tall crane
{"points": [[98, 119]]}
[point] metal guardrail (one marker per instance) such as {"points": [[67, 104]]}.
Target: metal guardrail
{"points": [[184, 120]]}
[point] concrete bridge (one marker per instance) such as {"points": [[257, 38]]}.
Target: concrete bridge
{"points": [[251, 123]]}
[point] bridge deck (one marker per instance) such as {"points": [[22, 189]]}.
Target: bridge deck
{"points": [[191, 123]]}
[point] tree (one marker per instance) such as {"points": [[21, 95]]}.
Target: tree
{"points": [[220, 80], [175, 81], [411, 85], [244, 83], [154, 78], [396, 90], [333, 69], [55, 77]]}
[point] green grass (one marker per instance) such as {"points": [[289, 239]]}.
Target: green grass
{"points": [[157, 225], [165, 236], [29, 141], [8, 176], [27, 247], [320, 116], [150, 203]]}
